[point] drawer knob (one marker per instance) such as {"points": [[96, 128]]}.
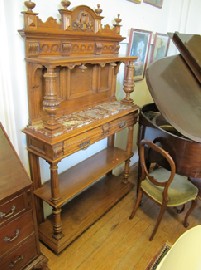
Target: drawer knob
{"points": [[10, 213], [84, 145], [106, 128], [122, 124], [18, 259], [10, 239]]}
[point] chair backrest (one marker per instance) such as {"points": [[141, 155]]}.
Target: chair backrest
{"points": [[149, 153]]}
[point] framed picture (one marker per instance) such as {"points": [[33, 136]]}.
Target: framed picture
{"points": [[160, 47], [155, 3], [139, 43]]}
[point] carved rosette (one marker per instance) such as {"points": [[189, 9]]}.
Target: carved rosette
{"points": [[98, 48], [83, 22], [66, 48]]}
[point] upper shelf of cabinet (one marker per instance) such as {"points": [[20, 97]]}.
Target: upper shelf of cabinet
{"points": [[78, 32]]}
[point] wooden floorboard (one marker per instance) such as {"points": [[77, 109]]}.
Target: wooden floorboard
{"points": [[116, 243]]}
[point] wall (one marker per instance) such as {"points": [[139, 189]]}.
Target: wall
{"points": [[180, 15]]}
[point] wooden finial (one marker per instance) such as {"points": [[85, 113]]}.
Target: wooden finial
{"points": [[117, 20], [98, 10], [65, 4], [30, 5]]}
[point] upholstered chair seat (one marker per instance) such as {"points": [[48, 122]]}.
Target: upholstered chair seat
{"points": [[180, 191]]}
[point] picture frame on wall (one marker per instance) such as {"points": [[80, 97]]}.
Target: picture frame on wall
{"points": [[155, 3], [139, 44], [160, 47]]}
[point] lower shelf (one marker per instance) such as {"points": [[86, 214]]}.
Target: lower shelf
{"points": [[79, 214]]}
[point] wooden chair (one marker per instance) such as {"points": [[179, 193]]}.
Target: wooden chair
{"points": [[165, 187]]}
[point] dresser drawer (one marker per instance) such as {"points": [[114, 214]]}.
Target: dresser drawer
{"points": [[82, 141], [21, 255], [14, 206], [15, 231]]}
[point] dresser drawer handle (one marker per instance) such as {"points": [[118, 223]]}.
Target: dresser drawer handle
{"points": [[10, 239], [122, 124], [10, 213], [18, 259], [106, 128], [84, 145]]}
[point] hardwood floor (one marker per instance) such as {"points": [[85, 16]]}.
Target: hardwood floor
{"points": [[116, 243]]}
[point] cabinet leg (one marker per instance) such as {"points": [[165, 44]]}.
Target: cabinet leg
{"points": [[57, 224], [56, 211], [126, 171], [54, 182], [36, 179], [110, 143], [129, 150]]}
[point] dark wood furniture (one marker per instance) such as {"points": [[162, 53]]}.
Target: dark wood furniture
{"points": [[72, 67], [185, 152], [19, 245]]}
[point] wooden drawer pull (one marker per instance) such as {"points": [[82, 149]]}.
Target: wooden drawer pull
{"points": [[18, 259], [10, 239], [10, 213], [84, 145], [122, 124], [106, 128]]}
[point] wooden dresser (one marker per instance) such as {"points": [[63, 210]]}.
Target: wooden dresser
{"points": [[72, 67], [19, 246]]}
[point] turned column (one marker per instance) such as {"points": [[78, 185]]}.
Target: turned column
{"points": [[56, 210], [129, 150], [129, 82], [51, 101], [36, 179]]}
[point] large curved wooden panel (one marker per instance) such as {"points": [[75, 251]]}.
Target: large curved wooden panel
{"points": [[177, 94]]}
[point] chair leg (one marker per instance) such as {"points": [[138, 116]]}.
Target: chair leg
{"points": [[193, 205], [138, 201], [179, 211], [162, 211]]}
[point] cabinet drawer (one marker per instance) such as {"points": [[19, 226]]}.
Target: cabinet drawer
{"points": [[21, 256], [82, 141], [15, 231], [15, 206]]}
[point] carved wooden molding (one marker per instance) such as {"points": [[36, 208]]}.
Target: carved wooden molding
{"points": [[79, 23]]}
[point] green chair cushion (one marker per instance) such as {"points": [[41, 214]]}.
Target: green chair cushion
{"points": [[180, 191]]}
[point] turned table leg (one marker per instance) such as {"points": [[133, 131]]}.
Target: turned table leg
{"points": [[56, 210], [36, 179], [110, 143], [129, 150]]}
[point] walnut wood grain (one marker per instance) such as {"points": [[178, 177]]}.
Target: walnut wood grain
{"points": [[84, 210], [72, 67]]}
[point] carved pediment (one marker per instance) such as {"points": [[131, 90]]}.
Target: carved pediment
{"points": [[50, 23], [83, 22]]}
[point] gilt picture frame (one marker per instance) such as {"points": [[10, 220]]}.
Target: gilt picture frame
{"points": [[139, 44], [160, 47]]}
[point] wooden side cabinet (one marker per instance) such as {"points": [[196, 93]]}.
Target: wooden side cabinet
{"points": [[72, 68], [19, 246]]}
